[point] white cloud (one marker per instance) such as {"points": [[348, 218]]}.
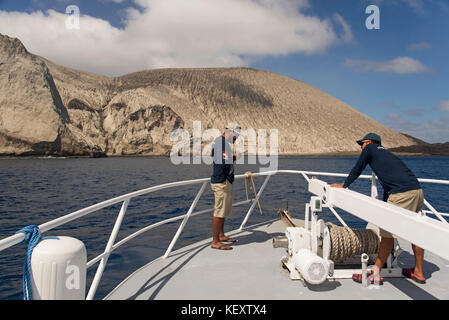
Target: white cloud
{"points": [[402, 65], [416, 5], [419, 46], [420, 7], [393, 116], [347, 35], [177, 33], [443, 105], [415, 112], [432, 131], [387, 104]]}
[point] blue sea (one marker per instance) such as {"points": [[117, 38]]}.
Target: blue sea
{"points": [[37, 190]]}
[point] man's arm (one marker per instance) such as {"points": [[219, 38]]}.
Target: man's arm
{"points": [[356, 170]]}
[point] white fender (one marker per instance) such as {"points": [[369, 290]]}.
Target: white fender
{"points": [[58, 269]]}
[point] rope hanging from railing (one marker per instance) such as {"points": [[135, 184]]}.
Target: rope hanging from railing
{"points": [[249, 184], [32, 237], [347, 242]]}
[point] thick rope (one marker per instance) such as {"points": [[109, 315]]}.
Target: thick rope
{"points": [[346, 242], [249, 184], [32, 237]]}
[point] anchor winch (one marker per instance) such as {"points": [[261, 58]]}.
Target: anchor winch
{"points": [[318, 250]]}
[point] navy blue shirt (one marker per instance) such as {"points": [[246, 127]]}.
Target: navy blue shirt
{"points": [[393, 174], [223, 156]]}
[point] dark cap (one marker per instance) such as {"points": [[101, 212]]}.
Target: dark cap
{"points": [[370, 136]]}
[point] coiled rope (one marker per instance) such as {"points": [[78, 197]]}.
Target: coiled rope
{"points": [[32, 237], [346, 242]]}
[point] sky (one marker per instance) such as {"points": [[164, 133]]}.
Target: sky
{"points": [[397, 74]]}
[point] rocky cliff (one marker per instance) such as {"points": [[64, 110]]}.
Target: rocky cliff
{"points": [[33, 118], [49, 109]]}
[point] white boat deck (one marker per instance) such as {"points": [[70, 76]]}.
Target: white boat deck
{"points": [[252, 271]]}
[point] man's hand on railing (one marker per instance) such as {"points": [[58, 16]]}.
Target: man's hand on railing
{"points": [[337, 185]]}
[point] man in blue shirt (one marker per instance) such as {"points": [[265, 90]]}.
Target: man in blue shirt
{"points": [[221, 183], [401, 188]]}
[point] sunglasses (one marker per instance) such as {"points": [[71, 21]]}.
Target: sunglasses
{"points": [[235, 132], [363, 143]]}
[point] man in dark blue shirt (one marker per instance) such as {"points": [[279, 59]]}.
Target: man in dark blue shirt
{"points": [[221, 183], [401, 188]]}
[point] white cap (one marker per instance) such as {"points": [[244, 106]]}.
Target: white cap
{"points": [[234, 128]]}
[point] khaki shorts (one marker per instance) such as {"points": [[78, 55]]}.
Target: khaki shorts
{"points": [[223, 199], [412, 200]]}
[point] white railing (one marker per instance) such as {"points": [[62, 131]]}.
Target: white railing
{"points": [[125, 200]]}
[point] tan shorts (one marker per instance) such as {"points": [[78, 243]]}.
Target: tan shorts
{"points": [[223, 199], [412, 200]]}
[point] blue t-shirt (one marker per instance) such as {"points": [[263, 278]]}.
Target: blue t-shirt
{"points": [[393, 174], [223, 166]]}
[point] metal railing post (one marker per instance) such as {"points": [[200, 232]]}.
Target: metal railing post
{"points": [[254, 203], [435, 212], [181, 227], [337, 216], [104, 260], [307, 216], [374, 193]]}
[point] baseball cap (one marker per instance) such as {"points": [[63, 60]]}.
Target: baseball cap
{"points": [[370, 136], [235, 130]]}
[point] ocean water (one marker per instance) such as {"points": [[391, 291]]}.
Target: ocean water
{"points": [[37, 190]]}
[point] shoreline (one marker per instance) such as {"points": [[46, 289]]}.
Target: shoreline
{"points": [[286, 155]]}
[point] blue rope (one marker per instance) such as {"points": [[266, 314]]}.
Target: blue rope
{"points": [[32, 237]]}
